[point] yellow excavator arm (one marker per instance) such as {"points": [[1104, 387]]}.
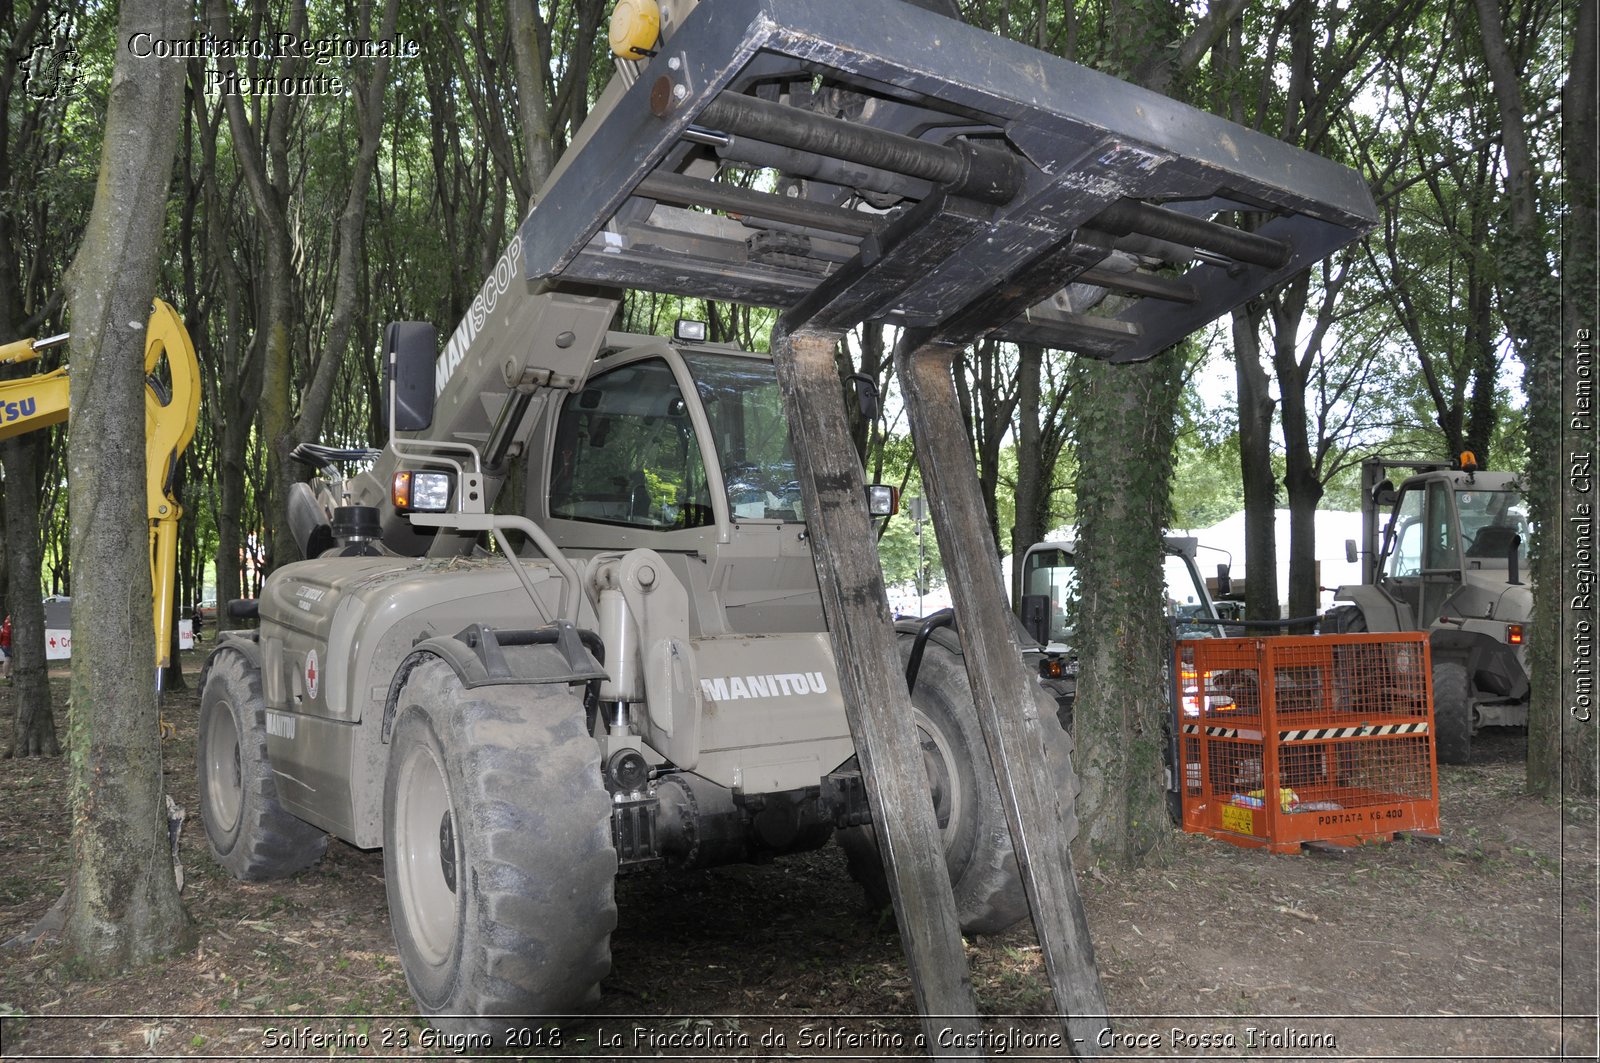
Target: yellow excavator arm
{"points": [[170, 413]]}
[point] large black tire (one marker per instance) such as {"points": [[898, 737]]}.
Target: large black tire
{"points": [[977, 840], [1452, 712], [497, 857], [247, 830], [1343, 620]]}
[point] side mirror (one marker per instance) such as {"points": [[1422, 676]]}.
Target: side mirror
{"points": [[1224, 581], [410, 349], [1350, 554], [866, 394]]}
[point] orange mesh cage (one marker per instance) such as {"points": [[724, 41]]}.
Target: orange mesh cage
{"points": [[1291, 739]]}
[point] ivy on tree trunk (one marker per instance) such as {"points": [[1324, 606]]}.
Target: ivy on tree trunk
{"points": [[1127, 423]]}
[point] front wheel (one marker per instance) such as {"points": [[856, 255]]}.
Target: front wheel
{"points": [[247, 829], [1452, 712], [498, 858], [984, 873]]}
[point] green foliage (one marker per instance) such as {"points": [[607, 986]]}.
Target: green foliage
{"points": [[1205, 483]]}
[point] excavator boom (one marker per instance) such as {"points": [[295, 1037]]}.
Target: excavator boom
{"points": [[171, 409]]}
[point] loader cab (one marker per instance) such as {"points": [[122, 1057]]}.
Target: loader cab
{"points": [[1445, 529]]}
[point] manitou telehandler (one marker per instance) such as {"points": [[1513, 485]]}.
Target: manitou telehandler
{"points": [[677, 651]]}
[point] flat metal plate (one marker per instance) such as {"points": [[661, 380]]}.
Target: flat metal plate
{"points": [[1088, 141]]}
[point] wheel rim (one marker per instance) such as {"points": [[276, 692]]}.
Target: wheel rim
{"points": [[224, 768], [429, 855], [944, 779]]}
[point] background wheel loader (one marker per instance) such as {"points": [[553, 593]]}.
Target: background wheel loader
{"points": [[1450, 562]]}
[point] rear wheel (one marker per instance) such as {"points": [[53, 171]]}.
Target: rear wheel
{"points": [[497, 852], [1343, 620], [1452, 712], [984, 873], [247, 830]]}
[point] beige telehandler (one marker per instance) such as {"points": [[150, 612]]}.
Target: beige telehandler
{"points": [[676, 649]]}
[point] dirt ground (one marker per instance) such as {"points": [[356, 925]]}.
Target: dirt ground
{"points": [[1481, 946]]}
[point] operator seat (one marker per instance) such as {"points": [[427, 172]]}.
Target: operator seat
{"points": [[1493, 540]]}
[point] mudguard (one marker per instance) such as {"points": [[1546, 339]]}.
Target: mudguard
{"points": [[1492, 664], [482, 656], [246, 643]]}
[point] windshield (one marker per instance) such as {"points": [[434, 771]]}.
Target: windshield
{"points": [[1053, 573], [625, 453], [1424, 537], [745, 410]]}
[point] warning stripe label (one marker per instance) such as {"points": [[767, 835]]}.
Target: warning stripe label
{"points": [[1222, 732], [1313, 734], [1364, 730]]}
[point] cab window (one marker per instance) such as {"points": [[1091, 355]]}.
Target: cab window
{"points": [[1405, 557], [626, 453], [745, 411], [1443, 552]]}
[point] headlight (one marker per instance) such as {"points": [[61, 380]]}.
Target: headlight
{"points": [[421, 492]]}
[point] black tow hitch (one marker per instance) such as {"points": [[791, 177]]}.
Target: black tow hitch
{"points": [[844, 796], [635, 809]]}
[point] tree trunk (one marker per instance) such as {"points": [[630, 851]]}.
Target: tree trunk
{"points": [[123, 905], [25, 270], [1255, 464], [1302, 485], [988, 405], [1033, 481], [1126, 431], [263, 158], [33, 731], [1581, 163], [1530, 304], [533, 109], [368, 97]]}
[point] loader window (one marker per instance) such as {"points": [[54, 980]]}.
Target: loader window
{"points": [[626, 453], [1405, 544], [1443, 549], [1489, 521], [742, 402]]}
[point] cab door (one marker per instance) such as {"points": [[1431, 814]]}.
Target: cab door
{"points": [[1422, 566]]}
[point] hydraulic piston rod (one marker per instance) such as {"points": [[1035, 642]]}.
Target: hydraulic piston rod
{"points": [[1128, 217], [982, 173]]}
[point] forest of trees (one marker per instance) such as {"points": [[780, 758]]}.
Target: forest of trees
{"points": [[296, 226]]}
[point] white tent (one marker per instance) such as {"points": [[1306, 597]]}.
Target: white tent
{"points": [[1226, 544]]}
